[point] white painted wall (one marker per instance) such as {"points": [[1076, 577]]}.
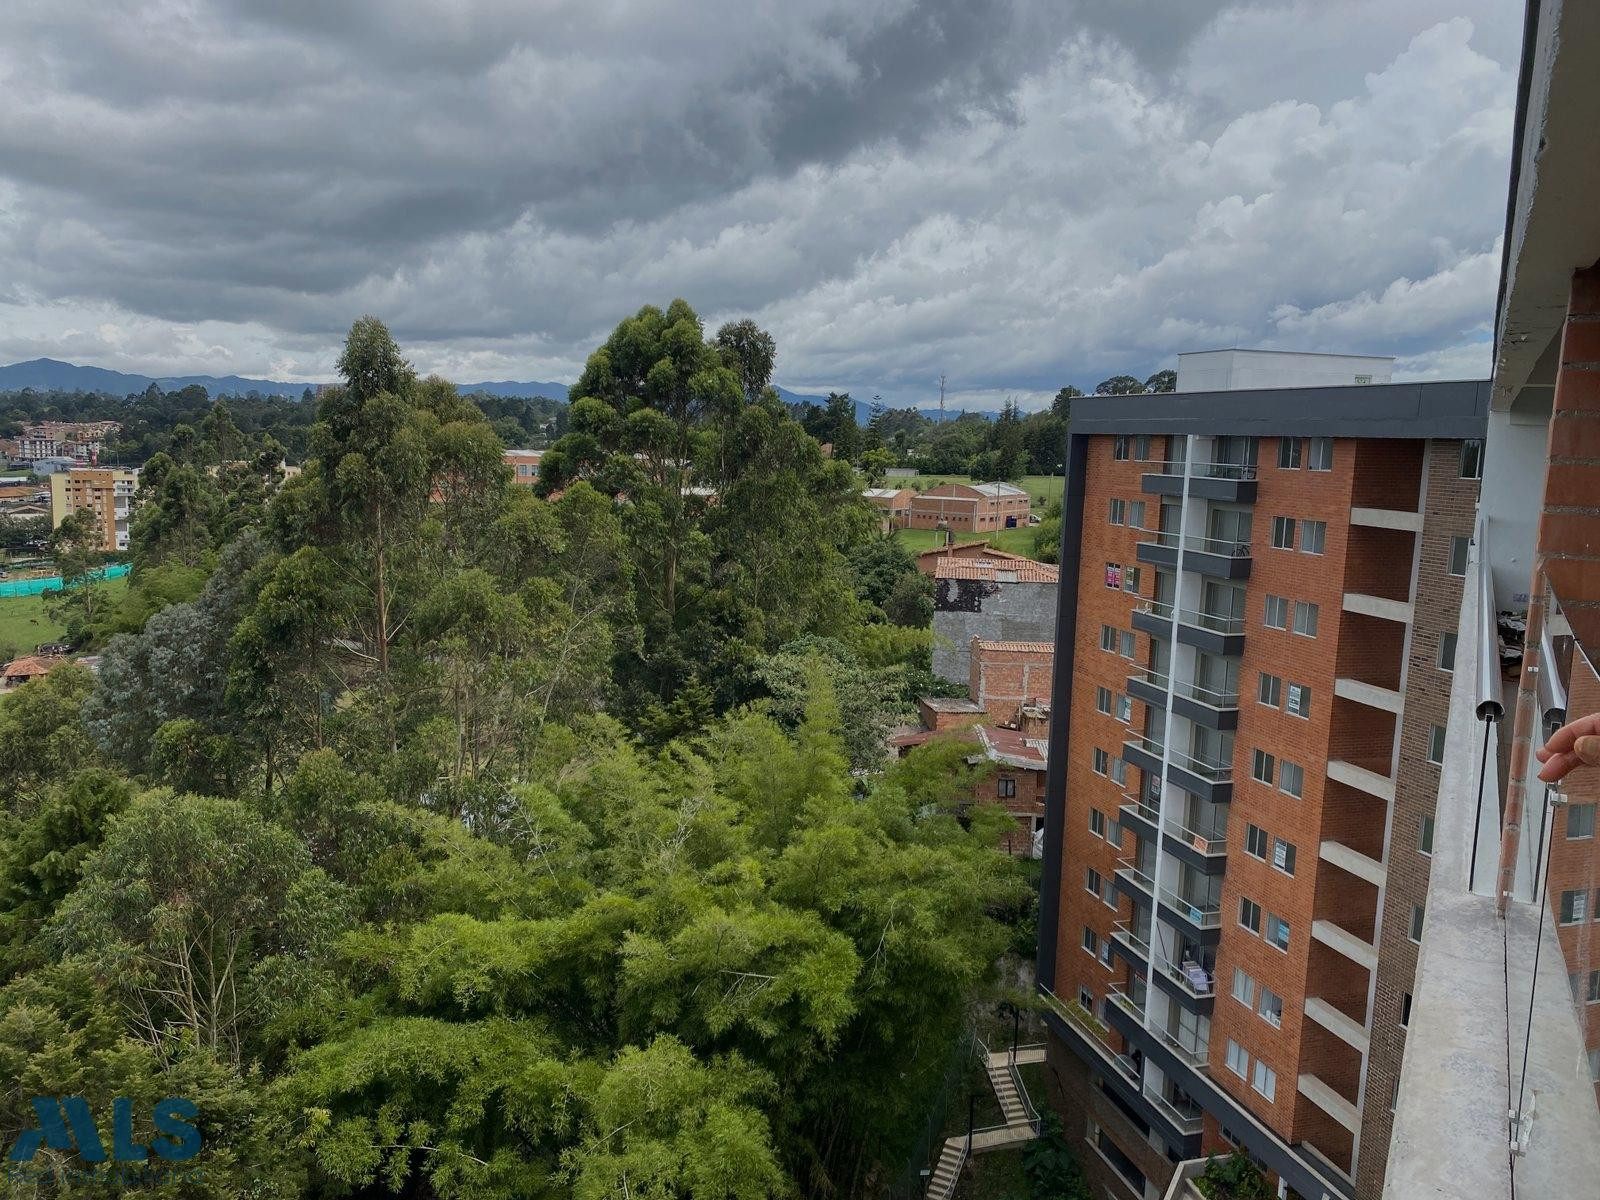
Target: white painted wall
{"points": [[1229, 370]]}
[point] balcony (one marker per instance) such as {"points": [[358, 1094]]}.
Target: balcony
{"points": [[1205, 852], [1205, 631], [1232, 482], [1139, 816], [1221, 558], [1201, 777], [1337, 938], [1370, 694], [1348, 1030], [1331, 1102], [1202, 705], [1192, 1056], [1360, 778], [1353, 861], [1131, 881], [1188, 983], [1186, 1120], [1127, 942], [1378, 606], [1201, 919]]}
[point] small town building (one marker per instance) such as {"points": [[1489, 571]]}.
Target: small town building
{"points": [[970, 507], [108, 492], [992, 598], [524, 465], [34, 666], [893, 505]]}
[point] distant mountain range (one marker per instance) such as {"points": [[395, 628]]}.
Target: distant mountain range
{"points": [[46, 374]]}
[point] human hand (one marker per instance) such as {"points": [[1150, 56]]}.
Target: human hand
{"points": [[1575, 744]]}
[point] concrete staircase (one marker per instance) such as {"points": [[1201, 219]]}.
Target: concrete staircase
{"points": [[947, 1171]]}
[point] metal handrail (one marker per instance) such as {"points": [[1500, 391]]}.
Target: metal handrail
{"points": [[1185, 1122], [1206, 916], [1139, 877], [1195, 1058], [1196, 841], [1199, 543], [1216, 772], [1193, 617], [1187, 688], [1174, 971], [1129, 935], [1143, 810], [1209, 470]]}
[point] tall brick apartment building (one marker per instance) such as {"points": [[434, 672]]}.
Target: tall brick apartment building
{"points": [[1255, 640]]}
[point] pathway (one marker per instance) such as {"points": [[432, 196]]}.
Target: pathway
{"points": [[1000, 1066]]}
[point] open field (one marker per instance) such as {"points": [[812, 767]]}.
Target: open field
{"points": [[24, 623], [1015, 541]]}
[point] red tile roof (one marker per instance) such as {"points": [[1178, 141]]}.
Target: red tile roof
{"points": [[1009, 746], [1025, 570], [1021, 647]]}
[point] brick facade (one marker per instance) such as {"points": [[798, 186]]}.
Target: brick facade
{"points": [[1008, 675], [963, 507]]}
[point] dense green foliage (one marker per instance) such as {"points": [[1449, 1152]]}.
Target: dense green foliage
{"points": [[439, 839]]}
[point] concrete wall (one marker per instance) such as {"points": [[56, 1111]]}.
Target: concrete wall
{"points": [[968, 608], [1513, 490], [1228, 370]]}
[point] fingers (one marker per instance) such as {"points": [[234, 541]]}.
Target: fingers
{"points": [[1562, 739], [1585, 752]]}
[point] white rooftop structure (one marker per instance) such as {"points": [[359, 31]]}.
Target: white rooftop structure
{"points": [[1229, 370], [999, 489]]}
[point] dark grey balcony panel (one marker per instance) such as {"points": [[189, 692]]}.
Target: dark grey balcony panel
{"points": [[1141, 688], [1218, 566], [1141, 757], [1157, 555], [1210, 864], [1195, 1004], [1201, 714], [1184, 921]]}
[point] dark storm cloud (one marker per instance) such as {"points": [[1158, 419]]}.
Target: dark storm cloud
{"points": [[892, 184]]}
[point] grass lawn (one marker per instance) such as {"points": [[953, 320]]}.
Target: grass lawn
{"points": [[24, 623], [1015, 541]]}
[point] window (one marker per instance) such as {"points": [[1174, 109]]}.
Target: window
{"points": [[1417, 914], [1127, 644], [1097, 822], [1105, 953], [1277, 615], [1141, 448], [1120, 448], [1405, 1010], [1299, 700], [1102, 761], [1580, 821], [1114, 575], [1261, 766], [1255, 841], [1593, 994], [1244, 988], [1271, 1007], [1305, 618], [1321, 454], [1124, 708], [1136, 514], [1283, 855], [1425, 836], [1005, 787], [1264, 1080], [1102, 700], [1447, 652], [1283, 533], [1119, 772], [1436, 743], [1458, 555], [1250, 915], [1114, 834], [1130, 579], [1289, 454], [1277, 931], [1313, 536], [1091, 942], [1574, 907], [1472, 459], [1269, 690], [1292, 780], [1086, 999], [1092, 882], [1238, 1060], [1108, 638], [1119, 512]]}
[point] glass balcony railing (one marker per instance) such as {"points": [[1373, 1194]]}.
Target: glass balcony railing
{"points": [[1208, 470], [1190, 1049], [1194, 978], [1139, 809], [1199, 544], [1206, 768], [1189, 689], [1193, 617], [1125, 933], [1213, 845], [1127, 868], [1205, 913], [1187, 1118]]}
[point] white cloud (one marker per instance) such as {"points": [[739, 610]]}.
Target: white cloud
{"points": [[896, 189]]}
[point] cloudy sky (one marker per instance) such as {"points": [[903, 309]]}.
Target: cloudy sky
{"points": [[1016, 193]]}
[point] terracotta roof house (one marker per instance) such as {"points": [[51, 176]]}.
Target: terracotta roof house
{"points": [[21, 670]]}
